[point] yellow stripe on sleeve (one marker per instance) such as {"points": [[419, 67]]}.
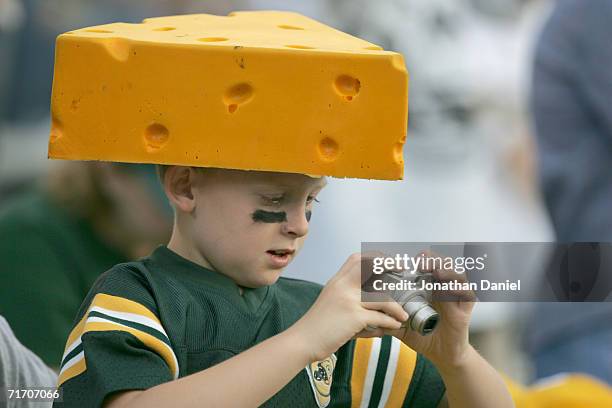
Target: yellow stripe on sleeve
{"points": [[73, 371], [115, 303], [151, 342], [96, 324], [76, 332], [361, 356], [120, 304], [403, 375]]}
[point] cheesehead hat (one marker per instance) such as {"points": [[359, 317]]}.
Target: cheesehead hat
{"points": [[257, 90]]}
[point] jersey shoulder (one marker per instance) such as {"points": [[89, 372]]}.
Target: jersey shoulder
{"points": [[123, 283]]}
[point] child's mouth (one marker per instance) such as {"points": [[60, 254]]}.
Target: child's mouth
{"points": [[280, 257]]}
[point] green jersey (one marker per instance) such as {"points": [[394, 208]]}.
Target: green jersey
{"points": [[163, 317]]}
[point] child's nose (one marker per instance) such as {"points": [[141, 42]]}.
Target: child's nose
{"points": [[296, 224]]}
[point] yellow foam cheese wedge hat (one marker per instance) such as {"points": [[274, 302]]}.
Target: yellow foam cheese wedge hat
{"points": [[261, 90]]}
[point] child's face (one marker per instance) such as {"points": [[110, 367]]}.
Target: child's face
{"points": [[249, 225]]}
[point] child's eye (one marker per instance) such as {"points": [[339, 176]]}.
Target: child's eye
{"points": [[311, 199], [273, 200]]}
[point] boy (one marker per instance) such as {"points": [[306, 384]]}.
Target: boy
{"points": [[242, 108], [206, 321]]}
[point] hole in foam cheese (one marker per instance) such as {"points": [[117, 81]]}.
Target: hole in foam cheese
{"points": [[156, 136], [253, 90], [237, 95], [328, 149], [347, 86]]}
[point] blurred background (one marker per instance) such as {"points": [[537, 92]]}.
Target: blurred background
{"points": [[471, 158]]}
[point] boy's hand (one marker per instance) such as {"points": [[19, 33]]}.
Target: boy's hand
{"points": [[339, 314], [448, 345]]}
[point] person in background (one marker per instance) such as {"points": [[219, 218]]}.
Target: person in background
{"points": [[59, 236], [20, 369], [571, 100]]}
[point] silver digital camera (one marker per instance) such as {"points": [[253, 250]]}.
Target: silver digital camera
{"points": [[416, 302]]}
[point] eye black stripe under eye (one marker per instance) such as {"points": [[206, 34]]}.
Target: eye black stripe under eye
{"points": [[269, 217]]}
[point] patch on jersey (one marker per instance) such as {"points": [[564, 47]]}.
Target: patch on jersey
{"points": [[320, 374]]}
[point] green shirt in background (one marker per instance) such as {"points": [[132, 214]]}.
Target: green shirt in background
{"points": [[49, 261]]}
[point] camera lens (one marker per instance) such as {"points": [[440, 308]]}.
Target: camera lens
{"points": [[430, 324]]}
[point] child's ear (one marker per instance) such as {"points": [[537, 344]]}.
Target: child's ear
{"points": [[178, 184]]}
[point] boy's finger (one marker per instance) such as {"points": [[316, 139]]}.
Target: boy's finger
{"points": [[379, 320], [390, 307]]}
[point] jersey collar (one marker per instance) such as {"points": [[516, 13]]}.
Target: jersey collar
{"points": [[252, 299]]}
